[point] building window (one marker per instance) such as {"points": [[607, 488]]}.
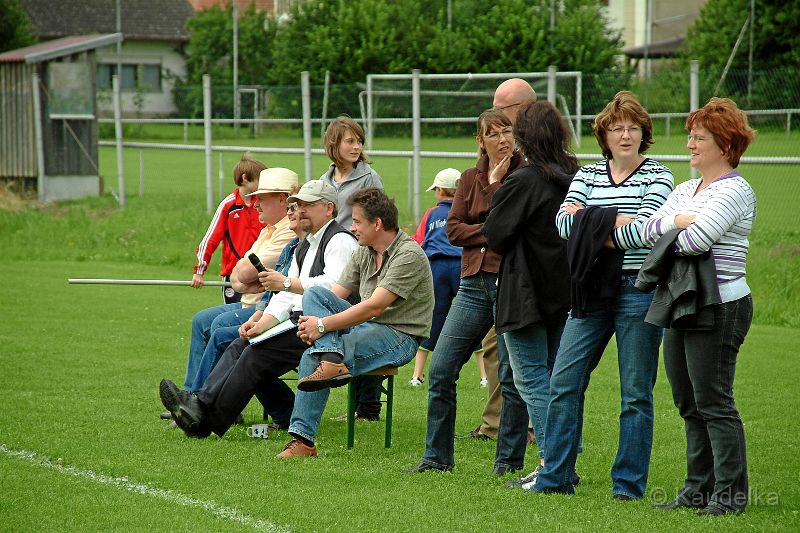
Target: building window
{"points": [[145, 76]]}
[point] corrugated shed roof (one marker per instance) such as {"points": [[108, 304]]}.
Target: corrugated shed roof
{"points": [[142, 20], [58, 48]]}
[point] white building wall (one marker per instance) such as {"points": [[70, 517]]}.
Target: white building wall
{"points": [[141, 52]]}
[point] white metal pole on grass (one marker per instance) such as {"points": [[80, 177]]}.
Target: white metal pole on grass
{"points": [[37, 128], [694, 92], [305, 89], [221, 175], [578, 108], [236, 101], [207, 131], [118, 131], [369, 123], [416, 133], [141, 173], [551, 84], [102, 281], [325, 105]]}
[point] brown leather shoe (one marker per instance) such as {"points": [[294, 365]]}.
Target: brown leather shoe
{"points": [[296, 448], [326, 375]]}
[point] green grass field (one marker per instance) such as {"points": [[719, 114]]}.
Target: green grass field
{"points": [[81, 446]]}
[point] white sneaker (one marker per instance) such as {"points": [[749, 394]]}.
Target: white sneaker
{"points": [[525, 482], [484, 383], [416, 382]]}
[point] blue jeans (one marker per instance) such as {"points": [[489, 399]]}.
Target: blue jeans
{"points": [[469, 319], [701, 366], [224, 330], [446, 280], [364, 347], [532, 354], [201, 332], [582, 345]]}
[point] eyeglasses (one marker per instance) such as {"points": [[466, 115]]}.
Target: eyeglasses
{"points": [[291, 208], [501, 107], [495, 135], [697, 138], [633, 130]]}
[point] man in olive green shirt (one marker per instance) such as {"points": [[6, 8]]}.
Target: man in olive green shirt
{"points": [[393, 278]]}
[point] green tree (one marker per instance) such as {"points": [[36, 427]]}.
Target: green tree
{"points": [[775, 80], [210, 51], [15, 30], [776, 34], [353, 39]]}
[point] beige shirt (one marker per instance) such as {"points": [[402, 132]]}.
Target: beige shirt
{"points": [[268, 247], [406, 272]]}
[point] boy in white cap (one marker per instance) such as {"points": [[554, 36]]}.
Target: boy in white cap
{"points": [[445, 261]]}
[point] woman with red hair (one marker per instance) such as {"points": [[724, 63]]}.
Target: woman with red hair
{"points": [[716, 214]]}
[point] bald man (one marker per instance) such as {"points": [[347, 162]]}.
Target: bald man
{"points": [[511, 95]]}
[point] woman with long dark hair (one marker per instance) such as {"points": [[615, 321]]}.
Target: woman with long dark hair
{"points": [[533, 283]]}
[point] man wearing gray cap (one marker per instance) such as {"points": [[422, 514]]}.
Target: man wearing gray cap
{"points": [[244, 367]]}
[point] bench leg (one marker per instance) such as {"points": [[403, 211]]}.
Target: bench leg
{"points": [[351, 414], [389, 403]]}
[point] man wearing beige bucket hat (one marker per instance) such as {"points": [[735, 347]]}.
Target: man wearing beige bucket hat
{"points": [[274, 187]]}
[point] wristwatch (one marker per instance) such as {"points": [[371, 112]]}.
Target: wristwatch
{"points": [[320, 326], [287, 284]]}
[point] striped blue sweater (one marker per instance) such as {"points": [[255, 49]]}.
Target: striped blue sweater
{"points": [[638, 197], [724, 214]]}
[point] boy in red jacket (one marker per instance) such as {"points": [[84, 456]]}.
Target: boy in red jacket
{"points": [[235, 224]]}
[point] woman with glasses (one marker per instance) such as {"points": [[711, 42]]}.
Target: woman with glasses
{"points": [[603, 217], [716, 214], [533, 288], [472, 313]]}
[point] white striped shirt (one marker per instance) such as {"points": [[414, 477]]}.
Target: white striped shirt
{"points": [[724, 213], [638, 196]]}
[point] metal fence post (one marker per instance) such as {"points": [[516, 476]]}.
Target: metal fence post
{"points": [[325, 106], [305, 89], [141, 173], [416, 133], [369, 112], [551, 84], [221, 175], [207, 137], [37, 128], [578, 107], [694, 92], [118, 132]]}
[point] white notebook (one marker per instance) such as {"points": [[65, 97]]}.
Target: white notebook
{"points": [[286, 325]]}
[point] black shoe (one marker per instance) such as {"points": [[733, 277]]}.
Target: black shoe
{"points": [[166, 415], [425, 467], [715, 509], [186, 409], [678, 503], [502, 470], [238, 420], [576, 479]]}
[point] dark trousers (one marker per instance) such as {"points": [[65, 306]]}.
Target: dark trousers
{"points": [[368, 396], [244, 371], [701, 366]]}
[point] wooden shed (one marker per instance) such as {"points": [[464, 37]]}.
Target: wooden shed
{"points": [[59, 156]]}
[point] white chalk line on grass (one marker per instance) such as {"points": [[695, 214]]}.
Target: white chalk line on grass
{"points": [[226, 513]]}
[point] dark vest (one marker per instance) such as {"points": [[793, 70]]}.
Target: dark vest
{"points": [[318, 266]]}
